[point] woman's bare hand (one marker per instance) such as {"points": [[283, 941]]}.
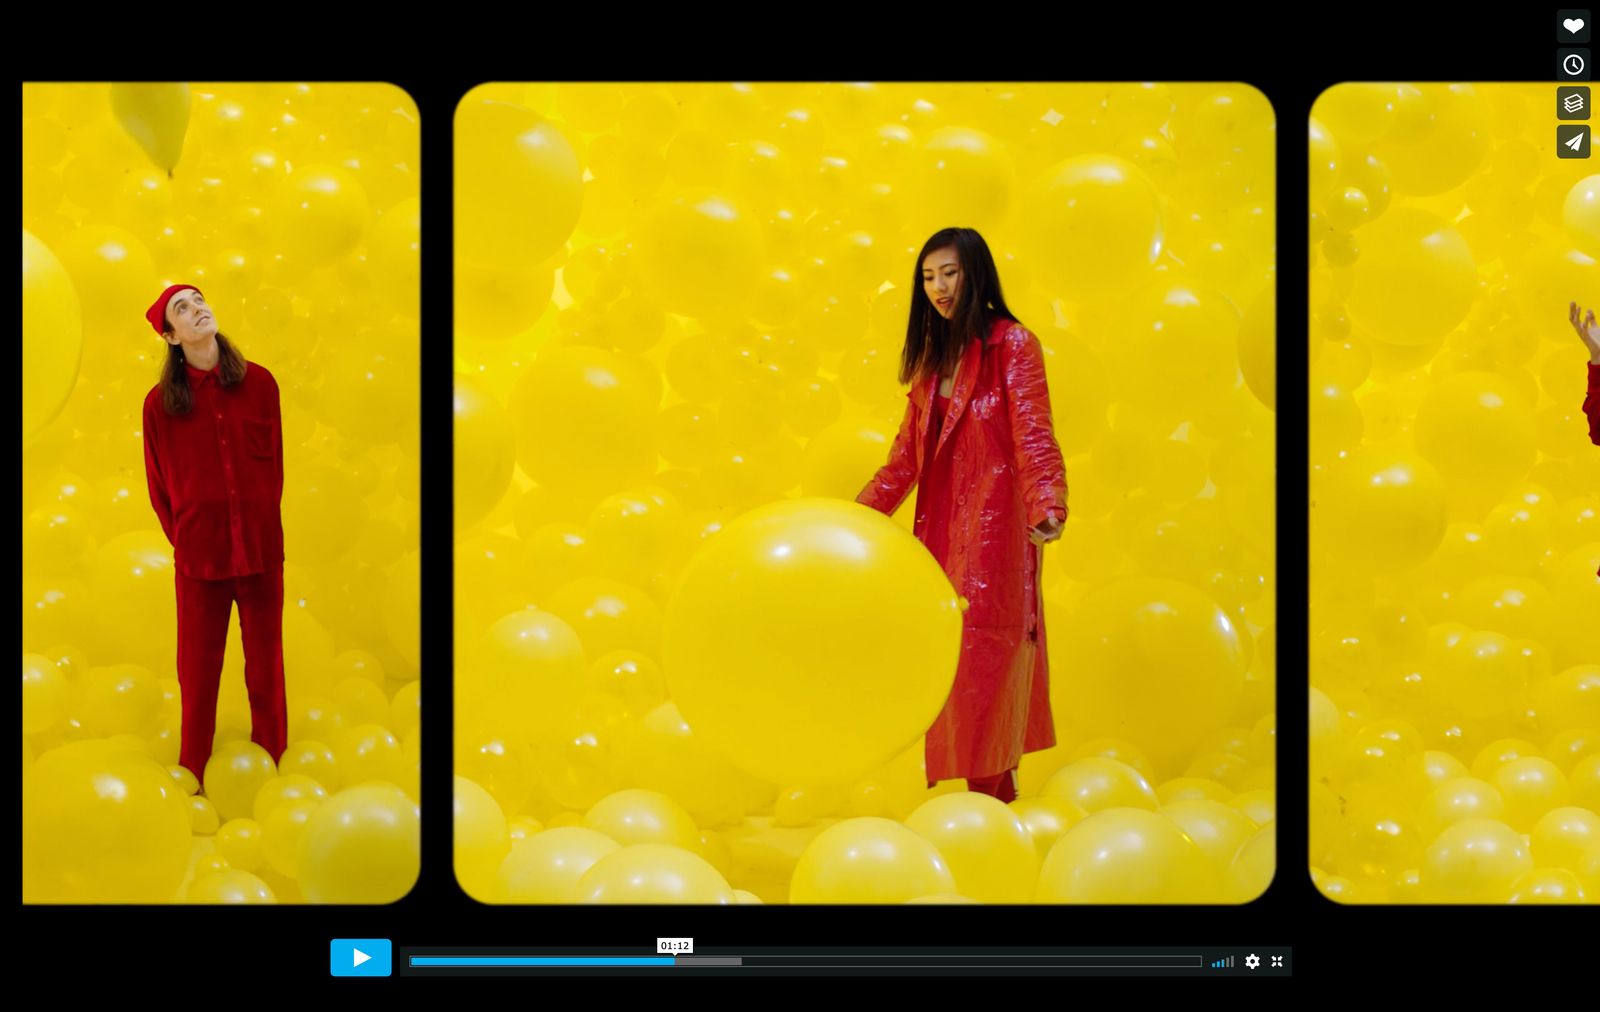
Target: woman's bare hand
{"points": [[1049, 530], [1588, 331]]}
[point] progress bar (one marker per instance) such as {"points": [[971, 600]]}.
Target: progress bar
{"points": [[1262, 961]]}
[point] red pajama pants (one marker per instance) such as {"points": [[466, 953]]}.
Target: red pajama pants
{"points": [[204, 607]]}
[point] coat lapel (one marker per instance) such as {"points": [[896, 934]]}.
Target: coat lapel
{"points": [[966, 380]]}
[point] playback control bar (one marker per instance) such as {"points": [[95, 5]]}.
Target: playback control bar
{"points": [[1096, 961]]}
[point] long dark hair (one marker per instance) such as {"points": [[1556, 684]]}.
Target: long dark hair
{"points": [[933, 344], [176, 396]]}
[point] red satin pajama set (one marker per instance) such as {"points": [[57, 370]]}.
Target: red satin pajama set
{"points": [[216, 482]]}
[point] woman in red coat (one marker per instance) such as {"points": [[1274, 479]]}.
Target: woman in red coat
{"points": [[1589, 333], [978, 442]]}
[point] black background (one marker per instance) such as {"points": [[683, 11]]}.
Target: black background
{"points": [[1290, 52]]}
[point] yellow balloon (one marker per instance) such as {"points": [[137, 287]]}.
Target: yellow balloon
{"points": [[869, 860], [1253, 867], [519, 185], [533, 665], [1381, 510], [1093, 225], [1219, 830], [363, 845], [485, 452], [1127, 855], [322, 215], [1096, 782], [52, 335], [481, 839], [1456, 800], [653, 873], [395, 252], [155, 115], [102, 824], [283, 833], [235, 775], [547, 868], [702, 252], [45, 694], [1047, 820], [1475, 861], [584, 420], [232, 886], [744, 665], [239, 841], [202, 817], [1562, 836], [1154, 658], [1415, 279], [1548, 885], [663, 753], [638, 816], [1530, 787], [986, 845], [281, 789]]}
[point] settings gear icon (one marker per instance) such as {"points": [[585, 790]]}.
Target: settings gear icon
{"points": [[1252, 961]]}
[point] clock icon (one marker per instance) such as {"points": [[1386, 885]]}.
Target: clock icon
{"points": [[1573, 64]]}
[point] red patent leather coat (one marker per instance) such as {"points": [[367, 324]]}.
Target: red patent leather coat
{"points": [[993, 471]]}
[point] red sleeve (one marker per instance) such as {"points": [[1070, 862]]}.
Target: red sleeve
{"points": [[1591, 404], [277, 425], [1040, 466], [155, 477], [895, 479]]}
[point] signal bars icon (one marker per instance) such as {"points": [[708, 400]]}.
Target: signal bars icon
{"points": [[1222, 964]]}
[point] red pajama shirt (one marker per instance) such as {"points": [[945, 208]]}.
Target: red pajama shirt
{"points": [[216, 482], [1591, 404]]}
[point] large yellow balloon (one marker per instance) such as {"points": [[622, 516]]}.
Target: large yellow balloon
{"points": [[638, 816], [548, 867], [869, 860], [1155, 659], [485, 451], [52, 335], [1127, 855], [155, 115], [1415, 279], [585, 420], [987, 846], [481, 839], [1380, 509], [363, 845], [1475, 861], [653, 873], [102, 823], [811, 641], [1093, 224], [701, 253], [519, 184]]}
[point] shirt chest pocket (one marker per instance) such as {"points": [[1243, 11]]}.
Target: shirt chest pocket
{"points": [[260, 437]]}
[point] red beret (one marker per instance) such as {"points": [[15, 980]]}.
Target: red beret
{"points": [[157, 314]]}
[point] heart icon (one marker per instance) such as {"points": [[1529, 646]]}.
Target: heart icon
{"points": [[1573, 25]]}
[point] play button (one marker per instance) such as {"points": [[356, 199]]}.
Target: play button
{"points": [[360, 957]]}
